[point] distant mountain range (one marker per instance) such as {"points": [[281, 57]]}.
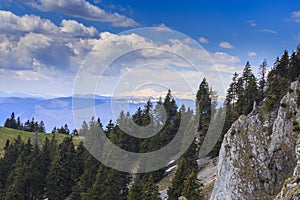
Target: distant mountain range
{"points": [[58, 111]]}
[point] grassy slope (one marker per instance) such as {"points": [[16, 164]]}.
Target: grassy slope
{"points": [[11, 134]]}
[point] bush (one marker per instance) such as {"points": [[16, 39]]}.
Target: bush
{"points": [[298, 97], [296, 128], [270, 101], [283, 105], [295, 123]]}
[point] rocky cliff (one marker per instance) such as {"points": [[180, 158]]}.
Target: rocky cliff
{"points": [[258, 151]]}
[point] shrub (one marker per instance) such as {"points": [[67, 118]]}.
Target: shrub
{"points": [[283, 105], [296, 128]]}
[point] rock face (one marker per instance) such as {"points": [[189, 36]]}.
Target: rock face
{"points": [[291, 187], [258, 152]]}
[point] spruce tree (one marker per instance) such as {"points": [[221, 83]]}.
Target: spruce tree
{"points": [[87, 179], [174, 191], [190, 188], [150, 190], [61, 172], [262, 80], [135, 191]]}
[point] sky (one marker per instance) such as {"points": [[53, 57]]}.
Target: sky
{"points": [[46, 44]]}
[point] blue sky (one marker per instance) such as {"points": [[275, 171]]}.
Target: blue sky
{"points": [[44, 42]]}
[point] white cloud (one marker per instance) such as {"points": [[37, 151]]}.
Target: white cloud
{"points": [[10, 22], [252, 54], [297, 37], [251, 23], [27, 23], [72, 27], [296, 16], [28, 38], [83, 9], [225, 45], [162, 25], [266, 30], [31, 49], [203, 40]]}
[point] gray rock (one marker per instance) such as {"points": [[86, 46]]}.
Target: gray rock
{"points": [[253, 162]]}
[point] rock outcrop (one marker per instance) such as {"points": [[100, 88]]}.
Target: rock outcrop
{"points": [[258, 152], [291, 187]]}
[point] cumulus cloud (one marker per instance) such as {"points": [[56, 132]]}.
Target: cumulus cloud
{"points": [[83, 9], [24, 40], [29, 48], [252, 54], [203, 40], [11, 23], [296, 16], [267, 30], [225, 45]]}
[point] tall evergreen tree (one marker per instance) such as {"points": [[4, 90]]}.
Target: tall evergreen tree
{"points": [[294, 65], [190, 188], [60, 177], [150, 190], [247, 91], [87, 179], [175, 190], [262, 80], [135, 191], [203, 106], [11, 122]]}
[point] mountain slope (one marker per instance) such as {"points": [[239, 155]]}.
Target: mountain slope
{"points": [[58, 111], [257, 153], [11, 134]]}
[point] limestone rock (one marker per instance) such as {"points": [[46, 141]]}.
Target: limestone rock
{"points": [[258, 152]]}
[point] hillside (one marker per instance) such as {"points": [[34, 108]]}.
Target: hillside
{"points": [[11, 134], [258, 153]]}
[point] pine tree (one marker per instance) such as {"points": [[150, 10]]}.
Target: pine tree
{"points": [[41, 127], [19, 186], [16, 188], [11, 122], [80, 156], [262, 80], [282, 65], [19, 124], [170, 107], [174, 191], [231, 95], [150, 190], [60, 177], [135, 191], [203, 106], [87, 179], [294, 65], [54, 130], [247, 91], [190, 188]]}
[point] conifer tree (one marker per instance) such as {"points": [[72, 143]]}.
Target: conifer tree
{"points": [[174, 191], [60, 177], [262, 80], [150, 190], [203, 106], [87, 179], [190, 188], [135, 191]]}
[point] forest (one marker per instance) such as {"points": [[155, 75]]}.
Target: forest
{"points": [[56, 171]]}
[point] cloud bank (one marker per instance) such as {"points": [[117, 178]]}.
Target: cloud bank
{"points": [[82, 9]]}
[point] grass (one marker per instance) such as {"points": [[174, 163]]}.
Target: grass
{"points": [[11, 134]]}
